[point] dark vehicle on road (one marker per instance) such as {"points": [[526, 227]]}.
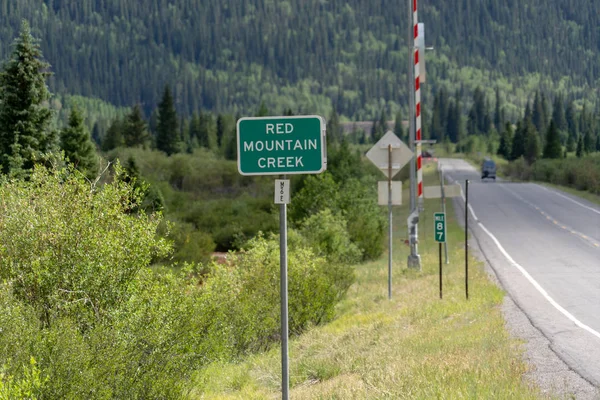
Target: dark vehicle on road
{"points": [[488, 169]]}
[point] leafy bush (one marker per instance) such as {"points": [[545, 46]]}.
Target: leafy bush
{"points": [[579, 173], [71, 248], [327, 234], [355, 200], [243, 301]]}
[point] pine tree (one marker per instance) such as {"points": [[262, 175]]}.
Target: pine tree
{"points": [[571, 120], [571, 144], [398, 127], [589, 142], [579, 151], [533, 147], [518, 144], [114, 136], [135, 132], [262, 111], [558, 114], [382, 126], [499, 112], [25, 133], [207, 131], [220, 130], [167, 132], [506, 139], [77, 144], [539, 112], [334, 129], [553, 148]]}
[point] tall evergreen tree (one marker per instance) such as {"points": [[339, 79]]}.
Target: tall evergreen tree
{"points": [[382, 126], [25, 133], [589, 141], [558, 114], [399, 127], [533, 147], [571, 144], [334, 129], [77, 144], [553, 148], [571, 119], [518, 144], [499, 112], [539, 113], [167, 132], [262, 110], [114, 135], [207, 131], [135, 132], [506, 139], [579, 152], [220, 130]]}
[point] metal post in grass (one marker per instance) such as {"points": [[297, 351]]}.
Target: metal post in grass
{"points": [[285, 381], [440, 245], [439, 226], [467, 239], [390, 220], [444, 208]]}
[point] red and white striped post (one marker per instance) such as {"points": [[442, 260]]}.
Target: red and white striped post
{"points": [[417, 104]]}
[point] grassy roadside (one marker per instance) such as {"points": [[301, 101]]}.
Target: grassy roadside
{"points": [[414, 346]]}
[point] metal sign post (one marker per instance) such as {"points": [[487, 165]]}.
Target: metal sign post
{"points": [[467, 239], [440, 237], [390, 154], [390, 220], [282, 146]]}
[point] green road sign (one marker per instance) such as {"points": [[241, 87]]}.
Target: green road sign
{"points": [[440, 227], [281, 145]]}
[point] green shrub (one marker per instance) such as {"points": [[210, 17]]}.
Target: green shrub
{"points": [[355, 200], [243, 301], [72, 249], [327, 234]]}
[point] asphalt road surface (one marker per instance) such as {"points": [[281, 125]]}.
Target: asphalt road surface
{"points": [[544, 247]]}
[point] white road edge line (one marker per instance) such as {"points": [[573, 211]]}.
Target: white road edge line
{"points": [[529, 277], [570, 199]]}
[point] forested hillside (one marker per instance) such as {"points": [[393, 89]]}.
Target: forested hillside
{"points": [[307, 55]]}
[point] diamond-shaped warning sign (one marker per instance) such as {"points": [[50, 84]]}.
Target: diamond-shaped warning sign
{"points": [[379, 154]]}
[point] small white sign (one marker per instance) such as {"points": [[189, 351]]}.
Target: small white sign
{"points": [[282, 191], [382, 190]]}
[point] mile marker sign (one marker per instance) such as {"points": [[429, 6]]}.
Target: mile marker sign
{"points": [[281, 145]]}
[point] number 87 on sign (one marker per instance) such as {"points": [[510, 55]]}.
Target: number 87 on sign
{"points": [[440, 227]]}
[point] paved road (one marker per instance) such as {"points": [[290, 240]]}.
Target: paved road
{"points": [[544, 246]]}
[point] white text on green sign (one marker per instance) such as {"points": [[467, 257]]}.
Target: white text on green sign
{"points": [[281, 145], [440, 227]]}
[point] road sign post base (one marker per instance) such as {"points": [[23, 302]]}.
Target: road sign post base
{"points": [[414, 261]]}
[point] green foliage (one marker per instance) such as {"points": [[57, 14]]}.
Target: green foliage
{"points": [[71, 249], [553, 148], [25, 119], [114, 136], [29, 387], [327, 233], [75, 141], [578, 173], [249, 320], [167, 136], [135, 132], [355, 199]]}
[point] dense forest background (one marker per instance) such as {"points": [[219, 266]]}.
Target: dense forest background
{"points": [[306, 55]]}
